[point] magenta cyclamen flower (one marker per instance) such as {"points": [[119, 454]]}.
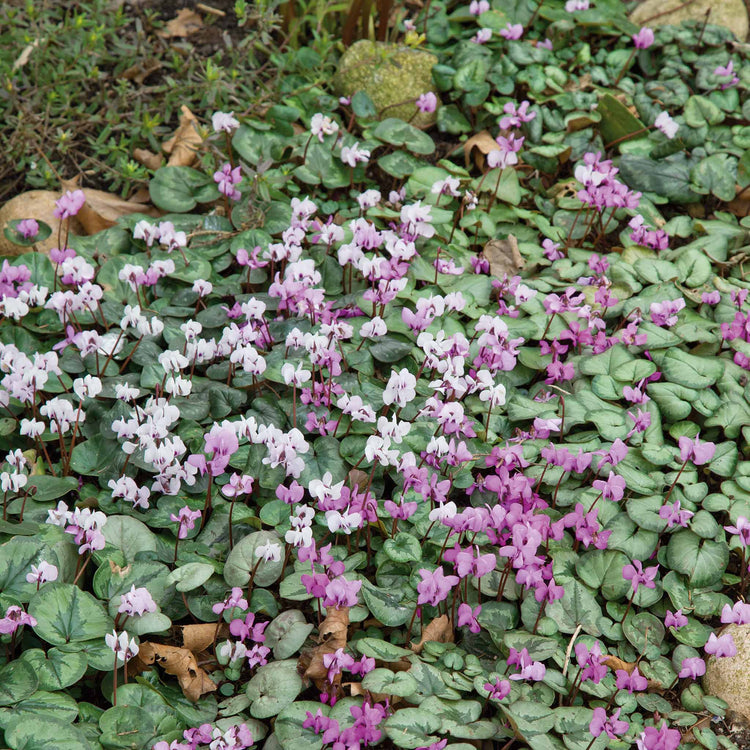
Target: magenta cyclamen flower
{"points": [[612, 489], [659, 739], [695, 451], [612, 726], [226, 178], [644, 38], [637, 575], [512, 31], [186, 518], [27, 228], [632, 682], [738, 613], [498, 689], [693, 667], [468, 616], [70, 204], [427, 102], [742, 529], [721, 646], [675, 619], [435, 586], [13, 619]]}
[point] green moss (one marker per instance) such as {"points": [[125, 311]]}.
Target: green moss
{"points": [[389, 74]]}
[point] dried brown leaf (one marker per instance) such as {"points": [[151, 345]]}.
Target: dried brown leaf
{"points": [[480, 144], [615, 663], [23, 58], [440, 630], [139, 72], [359, 479], [185, 23], [197, 638], [149, 159], [180, 662], [504, 256], [183, 146], [332, 635], [117, 570]]}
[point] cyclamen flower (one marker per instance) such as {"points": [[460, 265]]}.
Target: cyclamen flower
{"points": [[321, 125], [723, 646], [401, 388], [530, 670], [43, 573], [27, 228], [14, 618], [136, 602], [477, 7], [498, 690], [186, 518], [727, 71], [226, 178], [675, 619], [512, 31], [673, 513], [427, 102], [123, 648], [224, 122], [482, 36], [69, 205], [571, 6], [695, 451], [644, 38], [435, 586], [666, 124], [742, 529], [637, 575], [665, 313], [353, 155], [659, 739], [612, 726], [632, 682], [693, 667], [468, 616], [235, 599]]}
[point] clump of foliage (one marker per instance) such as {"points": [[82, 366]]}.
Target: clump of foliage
{"points": [[409, 495]]}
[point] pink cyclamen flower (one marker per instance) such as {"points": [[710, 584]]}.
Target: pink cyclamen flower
{"points": [[27, 228], [644, 38], [427, 102], [742, 529], [711, 298], [571, 6], [14, 618], [435, 586], [136, 602], [659, 739], [632, 682], [693, 667], [637, 575], [482, 36], [186, 518], [235, 599], [224, 122], [512, 31], [738, 613], [69, 205], [468, 616], [695, 451], [498, 689], [727, 71], [477, 7], [612, 725], [226, 178], [45, 572], [675, 619], [720, 647]]}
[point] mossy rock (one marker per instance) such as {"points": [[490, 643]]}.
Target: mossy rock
{"points": [[388, 74], [732, 14], [729, 677]]}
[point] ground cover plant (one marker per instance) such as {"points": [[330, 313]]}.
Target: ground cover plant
{"points": [[378, 437]]}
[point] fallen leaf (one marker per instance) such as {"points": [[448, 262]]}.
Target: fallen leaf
{"points": [[358, 479], [504, 256], [141, 70], [481, 144], [332, 636], [183, 146], [197, 638], [102, 210], [23, 58], [185, 23], [440, 630], [147, 158], [116, 570], [615, 663], [180, 662]]}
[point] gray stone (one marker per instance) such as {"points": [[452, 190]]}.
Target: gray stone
{"points": [[390, 75], [729, 13], [729, 677]]}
